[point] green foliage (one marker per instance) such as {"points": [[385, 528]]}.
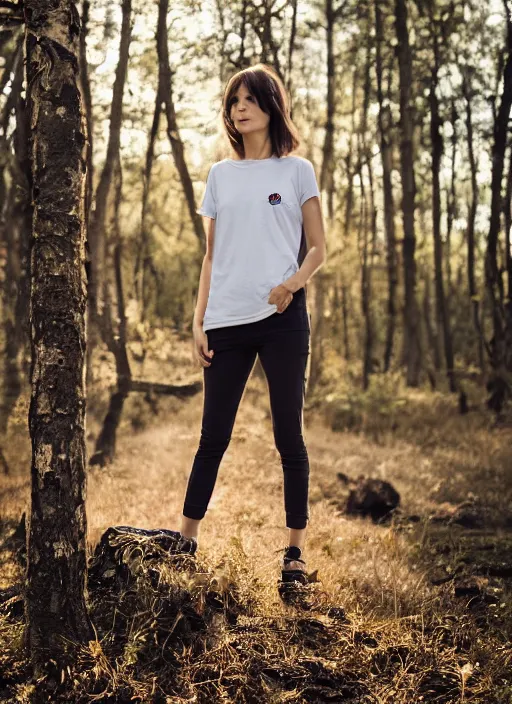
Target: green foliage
{"points": [[374, 410]]}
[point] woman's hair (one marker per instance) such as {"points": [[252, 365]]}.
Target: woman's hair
{"points": [[263, 82]]}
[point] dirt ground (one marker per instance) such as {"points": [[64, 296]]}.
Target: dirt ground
{"points": [[425, 597]]}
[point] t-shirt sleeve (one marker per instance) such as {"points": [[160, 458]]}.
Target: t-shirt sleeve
{"points": [[209, 204], [308, 183]]}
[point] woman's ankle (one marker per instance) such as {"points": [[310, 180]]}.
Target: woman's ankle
{"points": [[190, 527], [297, 537]]}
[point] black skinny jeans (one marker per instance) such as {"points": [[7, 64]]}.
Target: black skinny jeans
{"points": [[282, 343]]}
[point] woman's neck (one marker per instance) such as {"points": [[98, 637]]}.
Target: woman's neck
{"points": [[257, 146]]}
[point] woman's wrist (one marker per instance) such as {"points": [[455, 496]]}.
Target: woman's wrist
{"points": [[289, 286]]}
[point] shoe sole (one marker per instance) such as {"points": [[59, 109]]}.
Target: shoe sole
{"points": [[294, 576]]}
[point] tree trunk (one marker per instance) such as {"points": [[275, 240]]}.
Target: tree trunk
{"points": [[15, 228], [178, 151], [143, 255], [291, 50], [86, 93], [365, 293], [104, 451], [451, 203], [326, 184], [472, 286], [507, 207], [347, 220], [317, 330], [261, 21], [97, 243], [501, 343], [442, 315], [56, 585], [412, 342], [364, 157], [326, 172], [384, 121], [431, 335]]}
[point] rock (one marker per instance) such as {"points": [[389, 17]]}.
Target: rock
{"points": [[124, 551], [372, 497]]}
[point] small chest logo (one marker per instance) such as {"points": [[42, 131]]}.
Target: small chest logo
{"points": [[274, 199]]}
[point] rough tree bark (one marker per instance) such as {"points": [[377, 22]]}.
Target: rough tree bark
{"points": [[412, 341], [56, 591]]}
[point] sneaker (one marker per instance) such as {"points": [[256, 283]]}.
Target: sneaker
{"points": [[293, 568]]}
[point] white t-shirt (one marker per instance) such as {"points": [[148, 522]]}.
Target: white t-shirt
{"points": [[256, 204]]}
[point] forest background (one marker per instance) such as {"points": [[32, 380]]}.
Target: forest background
{"points": [[403, 108]]}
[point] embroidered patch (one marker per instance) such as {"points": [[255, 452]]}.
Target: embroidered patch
{"points": [[274, 199]]}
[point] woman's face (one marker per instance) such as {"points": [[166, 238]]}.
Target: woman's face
{"points": [[246, 114]]}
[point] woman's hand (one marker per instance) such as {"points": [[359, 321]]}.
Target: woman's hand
{"points": [[201, 352], [281, 296]]}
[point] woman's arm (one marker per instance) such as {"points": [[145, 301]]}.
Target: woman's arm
{"points": [[206, 274], [315, 238]]}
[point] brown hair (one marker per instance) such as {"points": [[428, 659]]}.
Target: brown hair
{"points": [[262, 81]]}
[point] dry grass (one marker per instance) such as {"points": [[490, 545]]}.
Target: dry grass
{"points": [[221, 633]]}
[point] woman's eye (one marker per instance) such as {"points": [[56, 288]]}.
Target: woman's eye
{"points": [[235, 100]]}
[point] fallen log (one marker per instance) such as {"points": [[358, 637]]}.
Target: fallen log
{"points": [[104, 451]]}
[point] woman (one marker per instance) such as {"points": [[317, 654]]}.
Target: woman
{"points": [[251, 298]]}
